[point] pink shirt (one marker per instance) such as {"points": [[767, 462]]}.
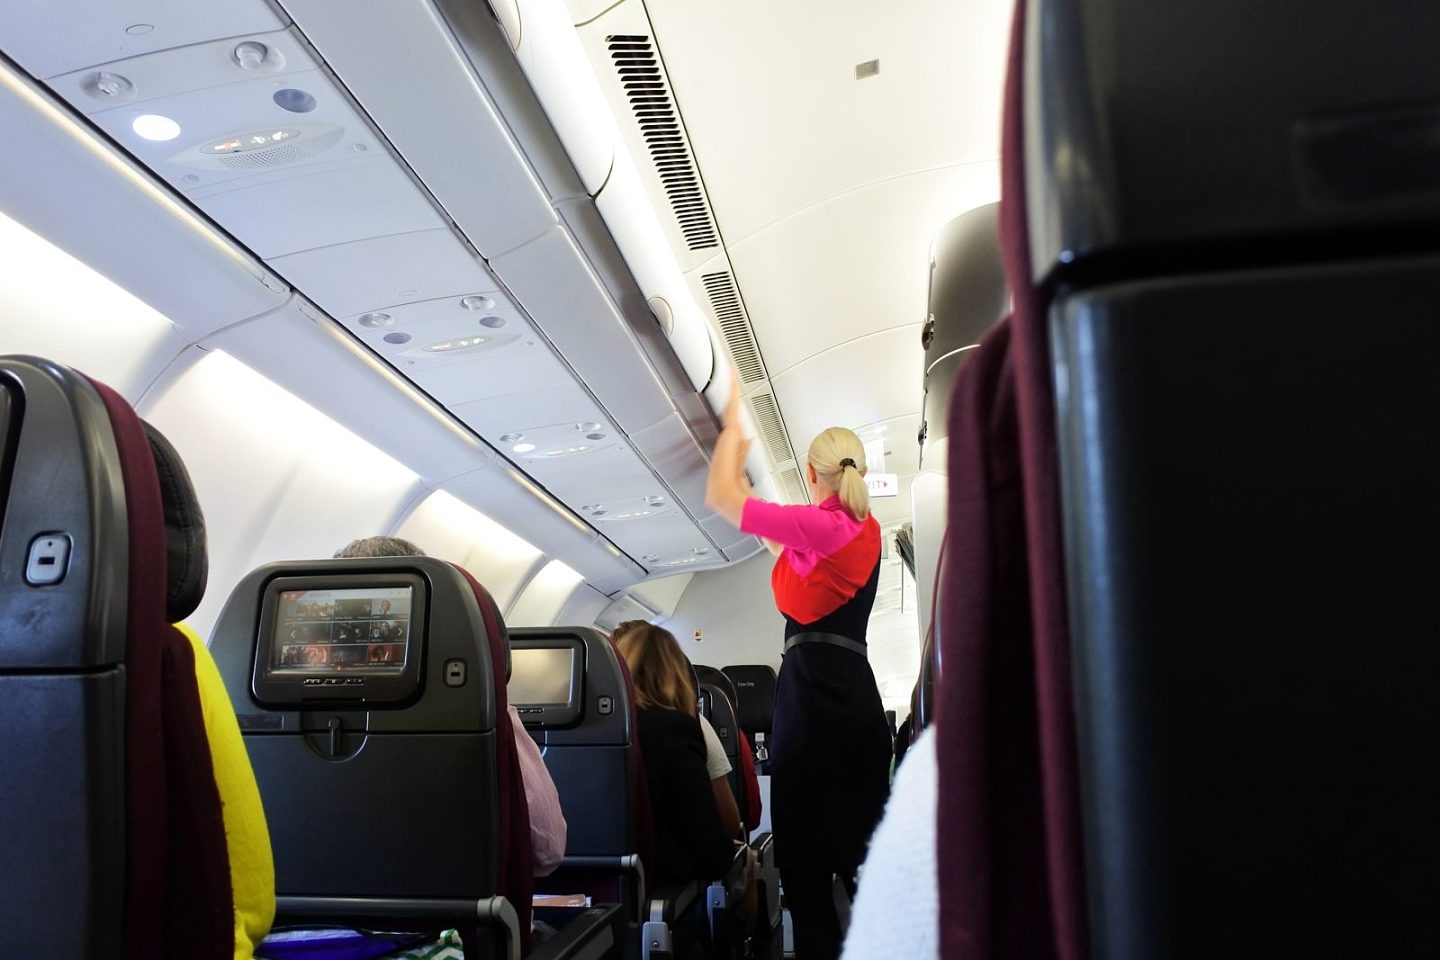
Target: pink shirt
{"points": [[547, 823]]}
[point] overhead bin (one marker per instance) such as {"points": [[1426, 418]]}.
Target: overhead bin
{"points": [[968, 296], [550, 54], [454, 138], [631, 219], [549, 51]]}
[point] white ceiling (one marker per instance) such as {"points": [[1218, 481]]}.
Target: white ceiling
{"points": [[828, 189]]}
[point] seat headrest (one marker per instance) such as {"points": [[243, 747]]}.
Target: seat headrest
{"points": [[186, 559]]}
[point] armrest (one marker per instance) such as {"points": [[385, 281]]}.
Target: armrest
{"points": [[381, 911], [626, 865], [589, 936], [670, 902]]}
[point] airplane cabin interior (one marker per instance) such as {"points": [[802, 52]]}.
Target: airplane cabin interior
{"points": [[1124, 308]]}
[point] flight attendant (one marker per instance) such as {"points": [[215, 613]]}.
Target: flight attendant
{"points": [[830, 745]]}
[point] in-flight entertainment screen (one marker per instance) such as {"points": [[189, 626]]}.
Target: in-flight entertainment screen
{"points": [[541, 676], [349, 631]]}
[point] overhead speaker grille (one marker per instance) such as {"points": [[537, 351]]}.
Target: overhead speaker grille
{"points": [[275, 157], [772, 428], [791, 487], [648, 91], [734, 325]]}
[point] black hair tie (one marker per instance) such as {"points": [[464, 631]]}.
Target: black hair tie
{"points": [[847, 462]]}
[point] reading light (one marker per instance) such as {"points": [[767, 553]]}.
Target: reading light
{"points": [[152, 126], [250, 55], [523, 447], [494, 323], [397, 338], [110, 86]]}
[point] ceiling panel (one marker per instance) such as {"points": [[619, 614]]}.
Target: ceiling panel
{"points": [[102, 32], [276, 153], [780, 78], [851, 385], [510, 369], [852, 265], [527, 409], [366, 275]]}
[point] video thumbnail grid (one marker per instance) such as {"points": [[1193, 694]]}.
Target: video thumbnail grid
{"points": [[366, 632]]}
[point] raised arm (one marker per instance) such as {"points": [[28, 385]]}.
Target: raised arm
{"points": [[727, 489]]}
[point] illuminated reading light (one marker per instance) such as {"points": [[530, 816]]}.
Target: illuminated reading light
{"points": [[462, 343], [152, 126], [565, 451], [523, 447], [633, 514]]}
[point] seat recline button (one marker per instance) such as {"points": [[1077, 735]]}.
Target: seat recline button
{"points": [[48, 560], [605, 705]]}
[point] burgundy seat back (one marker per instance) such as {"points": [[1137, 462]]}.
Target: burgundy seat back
{"points": [[517, 870], [1008, 832]]}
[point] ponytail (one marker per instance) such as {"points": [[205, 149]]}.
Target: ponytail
{"points": [[838, 457], [854, 492]]}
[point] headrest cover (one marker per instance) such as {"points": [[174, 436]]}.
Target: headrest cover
{"points": [[186, 559]]}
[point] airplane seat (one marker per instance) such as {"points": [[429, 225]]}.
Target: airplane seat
{"points": [[128, 829], [372, 701], [1206, 408], [755, 705], [569, 690], [575, 694]]}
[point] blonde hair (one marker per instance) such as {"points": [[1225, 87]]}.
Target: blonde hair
{"points": [[658, 667], [826, 453]]}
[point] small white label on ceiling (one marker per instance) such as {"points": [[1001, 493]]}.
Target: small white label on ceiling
{"points": [[883, 484]]}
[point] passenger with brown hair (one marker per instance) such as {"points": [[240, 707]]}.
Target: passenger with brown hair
{"points": [[717, 765], [691, 840]]}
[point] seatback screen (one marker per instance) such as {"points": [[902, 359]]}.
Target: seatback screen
{"points": [[349, 631], [541, 676]]}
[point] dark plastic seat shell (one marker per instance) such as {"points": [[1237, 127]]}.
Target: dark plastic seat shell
{"points": [[1236, 259], [401, 804]]}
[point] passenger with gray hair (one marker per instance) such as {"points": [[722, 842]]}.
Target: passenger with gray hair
{"points": [[547, 822], [378, 547]]}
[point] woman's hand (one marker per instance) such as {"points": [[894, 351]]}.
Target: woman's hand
{"points": [[727, 488]]}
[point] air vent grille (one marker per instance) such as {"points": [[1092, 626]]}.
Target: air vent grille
{"points": [[648, 91], [734, 325], [791, 487], [772, 429]]}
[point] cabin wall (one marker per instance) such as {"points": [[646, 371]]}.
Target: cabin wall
{"points": [[734, 610]]}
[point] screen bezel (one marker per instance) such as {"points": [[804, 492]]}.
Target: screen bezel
{"points": [[554, 716], [301, 689]]}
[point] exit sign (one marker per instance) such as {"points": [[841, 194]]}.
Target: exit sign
{"points": [[883, 484]]}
